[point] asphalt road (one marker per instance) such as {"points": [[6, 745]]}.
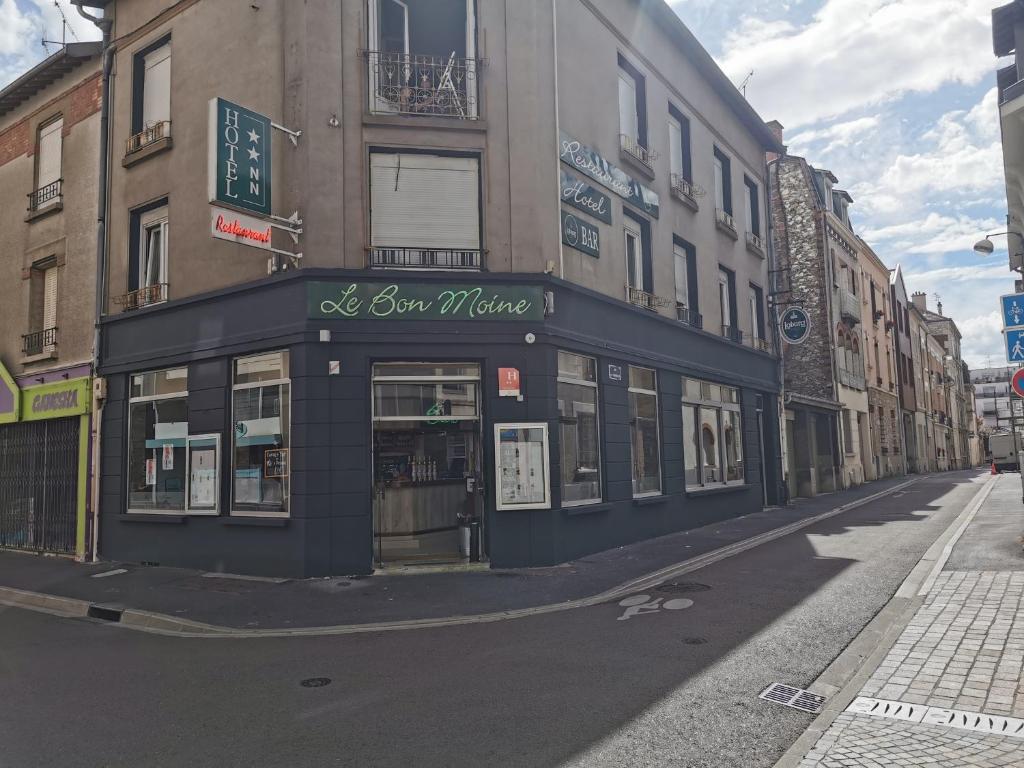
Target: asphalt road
{"points": [[584, 687]]}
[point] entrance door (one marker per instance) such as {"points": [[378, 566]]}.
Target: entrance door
{"points": [[427, 463]]}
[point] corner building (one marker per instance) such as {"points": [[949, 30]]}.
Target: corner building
{"points": [[530, 319]]}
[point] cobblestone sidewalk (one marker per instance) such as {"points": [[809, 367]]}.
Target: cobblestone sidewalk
{"points": [[963, 650]]}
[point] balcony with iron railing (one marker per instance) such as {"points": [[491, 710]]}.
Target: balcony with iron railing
{"points": [[143, 297], [725, 223], [755, 244], [425, 258], [685, 191], [634, 150], [732, 333], [422, 84], [158, 133], [689, 317], [757, 342], [851, 379], [641, 298], [39, 342], [849, 306], [47, 196]]}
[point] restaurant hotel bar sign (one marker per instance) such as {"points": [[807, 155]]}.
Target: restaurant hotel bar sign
{"points": [[239, 158], [590, 163]]}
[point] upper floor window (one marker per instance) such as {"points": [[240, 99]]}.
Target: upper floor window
{"points": [[148, 252], [727, 304], [685, 260], [639, 279], [421, 57], [42, 307], [680, 162], [151, 95], [756, 315], [753, 207], [633, 112], [723, 182], [424, 211], [49, 153]]}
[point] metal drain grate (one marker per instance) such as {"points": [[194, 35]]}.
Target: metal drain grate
{"points": [[791, 696], [976, 721], [896, 710]]}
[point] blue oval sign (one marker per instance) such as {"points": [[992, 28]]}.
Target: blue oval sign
{"points": [[795, 325]]}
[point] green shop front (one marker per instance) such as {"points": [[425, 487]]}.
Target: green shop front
{"points": [[44, 460], [323, 422]]}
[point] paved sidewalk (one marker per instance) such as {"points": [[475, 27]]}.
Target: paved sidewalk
{"points": [[254, 604], [958, 666]]}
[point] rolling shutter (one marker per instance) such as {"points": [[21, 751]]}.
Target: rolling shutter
{"points": [[50, 146], [50, 299], [156, 90], [424, 202]]}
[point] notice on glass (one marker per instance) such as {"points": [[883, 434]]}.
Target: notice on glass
{"points": [[203, 478], [522, 471], [150, 471], [168, 457]]}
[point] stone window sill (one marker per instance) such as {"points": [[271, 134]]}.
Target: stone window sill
{"points": [[146, 152], [715, 491], [43, 212]]}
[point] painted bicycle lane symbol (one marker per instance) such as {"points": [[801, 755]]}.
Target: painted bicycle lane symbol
{"points": [[640, 605]]}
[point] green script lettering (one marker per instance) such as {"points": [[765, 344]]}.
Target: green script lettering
{"points": [[455, 299], [348, 305], [383, 304]]}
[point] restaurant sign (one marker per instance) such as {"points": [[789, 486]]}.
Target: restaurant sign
{"points": [[585, 197], [239, 157], [576, 233], [56, 400], [239, 228], [588, 162], [357, 300]]}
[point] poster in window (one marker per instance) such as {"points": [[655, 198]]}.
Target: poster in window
{"points": [[522, 466], [203, 478], [275, 463], [150, 471], [167, 464]]}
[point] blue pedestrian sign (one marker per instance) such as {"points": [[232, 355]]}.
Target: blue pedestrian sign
{"points": [[1014, 345], [1013, 310]]}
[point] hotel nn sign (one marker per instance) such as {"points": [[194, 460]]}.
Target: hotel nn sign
{"points": [[239, 157]]}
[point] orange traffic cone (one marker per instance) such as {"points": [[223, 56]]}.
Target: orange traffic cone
{"points": [[994, 470]]}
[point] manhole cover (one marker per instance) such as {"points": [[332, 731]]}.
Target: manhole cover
{"points": [[695, 640], [315, 682], [682, 586]]}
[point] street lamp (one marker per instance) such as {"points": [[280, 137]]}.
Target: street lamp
{"points": [[985, 247]]}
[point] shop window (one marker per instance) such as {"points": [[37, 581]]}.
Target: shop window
{"points": [[425, 211], [157, 442], [49, 143], [579, 437], [712, 434], [643, 423], [261, 410]]}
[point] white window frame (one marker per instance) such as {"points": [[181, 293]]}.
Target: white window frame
{"points": [[253, 385], [724, 300], [545, 463], [566, 379], [50, 127], [151, 60], [719, 183], [631, 128], [657, 432], [720, 407], [215, 437], [675, 148], [634, 280], [127, 481], [682, 275], [756, 331], [156, 219]]}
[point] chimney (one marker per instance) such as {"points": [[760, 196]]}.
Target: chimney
{"points": [[939, 310], [920, 300], [776, 128]]}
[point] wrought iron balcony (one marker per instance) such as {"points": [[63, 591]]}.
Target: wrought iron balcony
{"points": [[38, 342], [851, 379], [685, 190], [45, 196], [725, 222], [424, 258], [732, 333], [417, 84], [637, 151], [143, 297], [644, 299], [147, 136], [849, 306], [759, 343], [689, 317], [755, 244]]}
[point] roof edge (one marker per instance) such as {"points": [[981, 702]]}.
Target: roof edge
{"points": [[83, 51]]}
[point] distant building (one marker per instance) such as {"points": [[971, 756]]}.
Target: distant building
{"points": [[992, 396]]}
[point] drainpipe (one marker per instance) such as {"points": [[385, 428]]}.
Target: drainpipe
{"points": [[558, 140], [829, 279], [99, 391]]}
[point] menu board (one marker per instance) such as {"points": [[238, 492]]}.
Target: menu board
{"points": [[521, 451]]}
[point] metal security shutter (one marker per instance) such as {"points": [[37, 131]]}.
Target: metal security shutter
{"points": [[50, 147], [156, 90], [50, 298], [424, 202]]}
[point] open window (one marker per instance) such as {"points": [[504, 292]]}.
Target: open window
{"points": [[147, 257], [422, 57]]}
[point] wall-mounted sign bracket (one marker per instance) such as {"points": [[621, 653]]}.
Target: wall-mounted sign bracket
{"points": [[293, 136]]}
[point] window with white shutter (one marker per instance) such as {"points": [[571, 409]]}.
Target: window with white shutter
{"points": [[48, 165], [156, 88], [50, 306], [424, 211]]}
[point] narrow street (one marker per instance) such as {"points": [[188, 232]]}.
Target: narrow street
{"points": [[605, 685]]}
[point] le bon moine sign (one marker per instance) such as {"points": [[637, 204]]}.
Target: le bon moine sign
{"points": [[357, 300]]}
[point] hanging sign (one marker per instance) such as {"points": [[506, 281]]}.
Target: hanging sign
{"points": [[239, 157], [577, 234], [795, 325], [508, 382], [585, 197], [590, 163], [1012, 306], [355, 300], [239, 228]]}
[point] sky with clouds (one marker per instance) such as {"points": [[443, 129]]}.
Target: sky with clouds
{"points": [[897, 98]]}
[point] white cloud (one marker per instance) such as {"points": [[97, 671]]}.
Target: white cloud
{"points": [[836, 135], [855, 53], [935, 233], [23, 27]]}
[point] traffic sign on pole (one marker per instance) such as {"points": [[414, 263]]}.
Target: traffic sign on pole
{"points": [[1012, 306], [1017, 382], [1014, 345]]}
